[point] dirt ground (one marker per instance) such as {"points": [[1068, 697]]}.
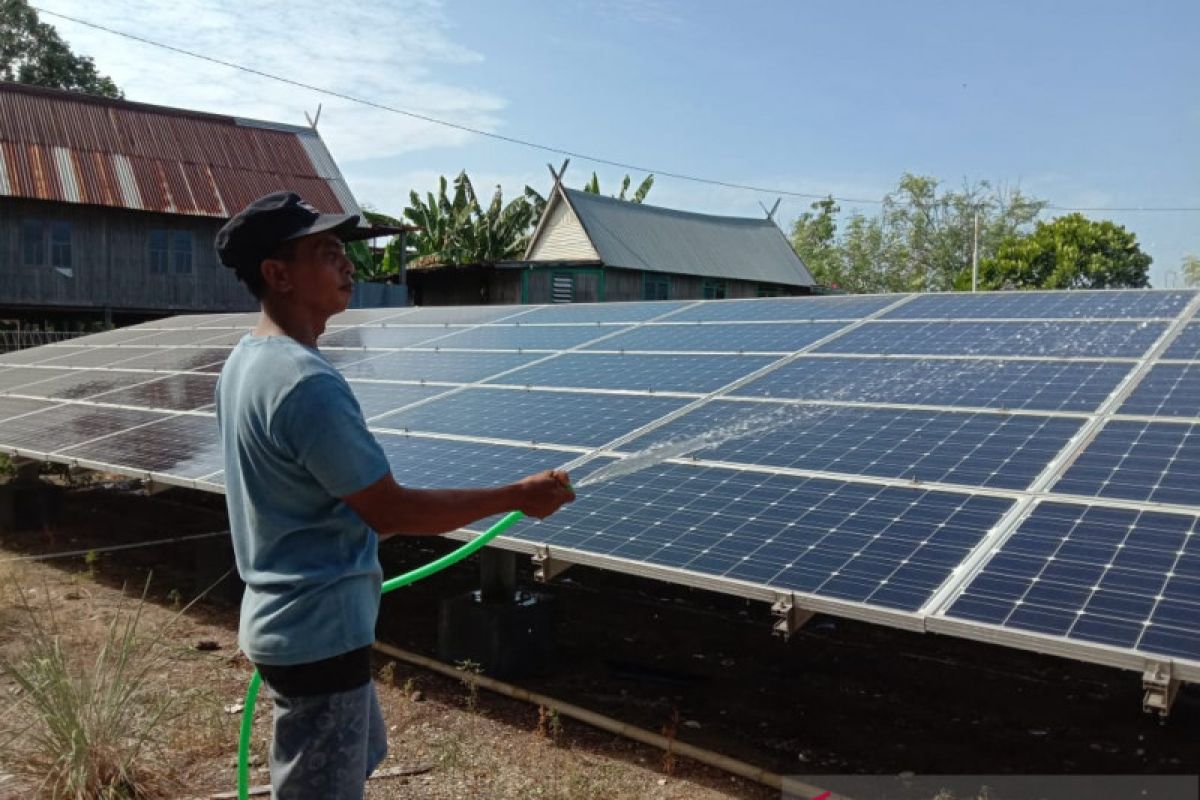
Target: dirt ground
{"points": [[839, 698]]}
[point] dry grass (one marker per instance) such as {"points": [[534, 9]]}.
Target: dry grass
{"points": [[92, 711], [479, 745]]}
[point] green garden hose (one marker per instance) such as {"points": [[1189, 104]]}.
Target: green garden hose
{"points": [[243, 769]]}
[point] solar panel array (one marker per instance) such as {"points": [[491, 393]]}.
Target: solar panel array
{"points": [[1021, 468]]}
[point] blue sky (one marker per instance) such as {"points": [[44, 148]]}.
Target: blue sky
{"points": [[1079, 103]]}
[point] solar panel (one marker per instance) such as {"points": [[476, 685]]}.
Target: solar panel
{"points": [[172, 393], [1029, 385], [384, 337], [655, 373], [568, 418], [1106, 304], [768, 337], [1153, 461], [177, 359], [797, 309], [1168, 390], [883, 546], [38, 355], [63, 426], [1051, 339], [598, 313], [435, 366], [992, 450], [181, 446], [523, 337], [77, 384], [1021, 467], [1119, 577], [1187, 346]]}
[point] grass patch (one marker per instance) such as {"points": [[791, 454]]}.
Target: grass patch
{"points": [[82, 727]]}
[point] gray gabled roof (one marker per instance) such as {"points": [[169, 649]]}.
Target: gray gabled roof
{"points": [[644, 237]]}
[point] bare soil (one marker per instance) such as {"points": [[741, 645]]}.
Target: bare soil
{"points": [[838, 698]]}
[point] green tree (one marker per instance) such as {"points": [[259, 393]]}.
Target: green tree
{"points": [[814, 238], [1190, 269], [1070, 252], [457, 229], [920, 240], [32, 52], [593, 187]]}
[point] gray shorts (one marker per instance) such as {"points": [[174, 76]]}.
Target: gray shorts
{"points": [[325, 746]]}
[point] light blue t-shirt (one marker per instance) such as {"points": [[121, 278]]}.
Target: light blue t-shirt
{"points": [[294, 441]]}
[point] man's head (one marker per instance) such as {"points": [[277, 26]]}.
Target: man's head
{"points": [[281, 245]]}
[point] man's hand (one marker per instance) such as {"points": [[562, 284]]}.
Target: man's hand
{"points": [[542, 494]]}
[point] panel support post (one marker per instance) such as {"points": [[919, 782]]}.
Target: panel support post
{"points": [[1160, 688], [791, 617], [546, 567]]}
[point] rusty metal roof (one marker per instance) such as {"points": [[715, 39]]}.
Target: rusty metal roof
{"points": [[76, 148]]}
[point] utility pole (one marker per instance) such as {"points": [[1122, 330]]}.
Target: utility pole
{"points": [[975, 255]]}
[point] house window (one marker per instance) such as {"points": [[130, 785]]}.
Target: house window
{"points": [[712, 289], [562, 288], [767, 290], [655, 286], [160, 256], [33, 243], [60, 245], [169, 251], [181, 251]]}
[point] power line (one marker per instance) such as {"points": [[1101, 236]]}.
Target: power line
{"points": [[529, 143]]}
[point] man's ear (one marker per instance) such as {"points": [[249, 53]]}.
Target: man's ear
{"points": [[276, 275]]}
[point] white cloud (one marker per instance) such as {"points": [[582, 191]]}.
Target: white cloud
{"points": [[390, 53]]}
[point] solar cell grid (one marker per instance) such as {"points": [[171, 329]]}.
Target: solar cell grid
{"points": [[1118, 577], [1028, 385], [383, 337], [80, 384], [379, 398], [599, 312], [988, 450], [189, 337], [182, 359], [173, 393], [1149, 461], [782, 337], [1050, 339], [38, 355], [1168, 390], [436, 463], [796, 309], [889, 547], [1186, 346], [566, 418], [1106, 304], [447, 366], [64, 426], [95, 357], [14, 379], [185, 446], [659, 373], [14, 407], [523, 337]]}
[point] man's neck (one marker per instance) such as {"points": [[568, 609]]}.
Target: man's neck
{"points": [[277, 320]]}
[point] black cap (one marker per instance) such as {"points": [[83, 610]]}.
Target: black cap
{"points": [[260, 228]]}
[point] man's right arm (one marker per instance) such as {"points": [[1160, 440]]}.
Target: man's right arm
{"points": [[392, 509]]}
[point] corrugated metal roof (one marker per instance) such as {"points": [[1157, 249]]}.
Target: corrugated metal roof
{"points": [[644, 237], [76, 148]]}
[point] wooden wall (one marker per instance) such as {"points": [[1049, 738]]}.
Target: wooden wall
{"points": [[110, 262]]}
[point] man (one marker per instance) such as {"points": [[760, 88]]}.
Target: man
{"points": [[310, 493]]}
